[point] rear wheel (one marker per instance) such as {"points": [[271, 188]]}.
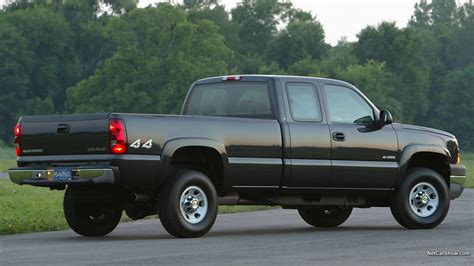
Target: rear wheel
{"points": [[325, 216], [89, 217], [188, 205], [422, 200]]}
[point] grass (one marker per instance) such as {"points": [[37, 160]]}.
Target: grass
{"points": [[6, 164], [7, 158], [468, 161], [29, 209], [7, 153], [235, 209], [32, 209]]}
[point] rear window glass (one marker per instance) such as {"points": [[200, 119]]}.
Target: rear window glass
{"points": [[235, 99], [304, 104]]}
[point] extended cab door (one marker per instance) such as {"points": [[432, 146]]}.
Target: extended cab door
{"points": [[364, 155], [310, 143]]}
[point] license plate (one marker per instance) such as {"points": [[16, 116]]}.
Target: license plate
{"points": [[62, 174]]}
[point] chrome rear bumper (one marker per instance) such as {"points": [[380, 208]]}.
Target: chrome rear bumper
{"points": [[45, 177]]}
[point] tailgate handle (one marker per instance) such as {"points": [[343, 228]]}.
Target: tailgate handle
{"points": [[63, 128]]}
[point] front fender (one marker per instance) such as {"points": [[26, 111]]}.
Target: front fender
{"points": [[410, 150], [171, 146]]}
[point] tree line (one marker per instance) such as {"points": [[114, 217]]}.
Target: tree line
{"points": [[66, 56]]}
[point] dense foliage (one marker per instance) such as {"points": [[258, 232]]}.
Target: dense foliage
{"points": [[67, 56]]}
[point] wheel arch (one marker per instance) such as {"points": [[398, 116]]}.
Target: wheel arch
{"points": [[173, 147], [429, 156]]}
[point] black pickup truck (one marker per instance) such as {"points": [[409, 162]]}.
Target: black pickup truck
{"points": [[312, 144]]}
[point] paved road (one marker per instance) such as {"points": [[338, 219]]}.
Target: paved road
{"points": [[3, 176], [276, 237]]}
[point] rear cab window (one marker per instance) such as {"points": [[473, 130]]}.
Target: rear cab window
{"points": [[231, 99], [304, 102]]}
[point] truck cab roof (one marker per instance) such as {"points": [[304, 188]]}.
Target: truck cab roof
{"points": [[260, 77]]}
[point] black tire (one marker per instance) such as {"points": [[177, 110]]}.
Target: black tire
{"points": [[90, 218], [171, 216], [325, 216], [401, 203]]}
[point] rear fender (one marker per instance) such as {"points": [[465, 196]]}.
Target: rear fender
{"points": [[171, 146]]}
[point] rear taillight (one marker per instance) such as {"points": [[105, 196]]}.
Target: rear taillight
{"points": [[16, 139], [118, 141]]}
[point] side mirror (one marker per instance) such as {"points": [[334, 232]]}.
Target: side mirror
{"points": [[385, 117]]}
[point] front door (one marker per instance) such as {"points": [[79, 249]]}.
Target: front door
{"points": [[364, 155]]}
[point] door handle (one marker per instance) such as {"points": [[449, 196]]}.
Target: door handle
{"points": [[63, 128], [338, 136]]}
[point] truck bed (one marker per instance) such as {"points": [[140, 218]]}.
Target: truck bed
{"points": [[251, 148]]}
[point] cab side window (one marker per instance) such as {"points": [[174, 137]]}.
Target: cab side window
{"points": [[346, 106], [304, 102]]}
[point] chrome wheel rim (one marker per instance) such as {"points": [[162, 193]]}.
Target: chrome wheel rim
{"points": [[423, 199], [193, 204]]}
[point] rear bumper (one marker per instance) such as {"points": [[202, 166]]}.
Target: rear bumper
{"points": [[130, 171], [458, 178], [44, 177]]}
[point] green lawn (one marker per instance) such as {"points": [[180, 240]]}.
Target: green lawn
{"points": [[31, 209], [5, 164], [7, 158], [6, 153], [468, 160]]}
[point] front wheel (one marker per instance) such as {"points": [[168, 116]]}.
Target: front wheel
{"points": [[188, 204], [325, 216], [90, 218], [422, 200]]}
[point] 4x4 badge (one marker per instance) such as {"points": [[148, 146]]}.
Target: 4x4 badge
{"points": [[137, 144]]}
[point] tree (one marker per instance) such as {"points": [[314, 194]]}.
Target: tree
{"points": [[443, 12], [220, 17], [305, 67], [421, 17], [375, 82], [272, 69], [300, 39], [15, 82], [54, 65], [455, 111], [258, 20], [447, 41], [401, 50], [59, 56], [458, 44], [439, 13], [339, 58], [92, 7], [151, 71], [198, 4]]}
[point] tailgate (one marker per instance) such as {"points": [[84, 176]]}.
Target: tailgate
{"points": [[64, 134]]}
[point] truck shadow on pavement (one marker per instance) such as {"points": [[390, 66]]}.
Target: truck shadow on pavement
{"points": [[241, 232]]}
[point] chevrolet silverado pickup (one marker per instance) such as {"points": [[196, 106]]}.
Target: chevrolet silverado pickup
{"points": [[312, 144]]}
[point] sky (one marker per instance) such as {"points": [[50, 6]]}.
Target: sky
{"points": [[344, 18]]}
